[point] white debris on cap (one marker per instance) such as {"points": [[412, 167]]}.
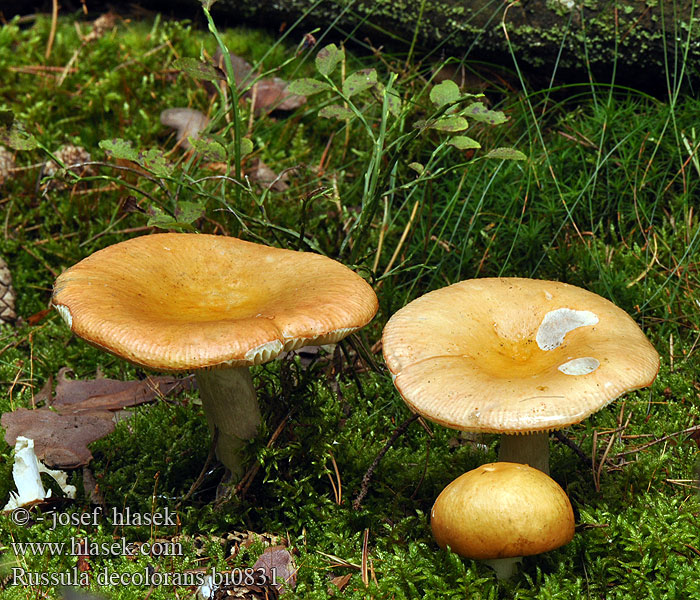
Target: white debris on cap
{"points": [[580, 366], [557, 323]]}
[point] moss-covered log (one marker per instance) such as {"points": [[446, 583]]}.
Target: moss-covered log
{"points": [[645, 36]]}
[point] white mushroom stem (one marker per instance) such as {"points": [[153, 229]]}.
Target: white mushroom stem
{"points": [[231, 406], [505, 567], [528, 449]]}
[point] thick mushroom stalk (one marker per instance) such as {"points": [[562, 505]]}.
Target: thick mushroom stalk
{"points": [[527, 449], [214, 305], [231, 408], [505, 568]]}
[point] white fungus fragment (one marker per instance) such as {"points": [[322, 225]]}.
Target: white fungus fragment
{"points": [[557, 323], [580, 366], [26, 473]]}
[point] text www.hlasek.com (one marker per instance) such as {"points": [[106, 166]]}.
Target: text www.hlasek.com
{"points": [[84, 547]]}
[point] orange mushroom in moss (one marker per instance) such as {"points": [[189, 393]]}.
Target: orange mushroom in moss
{"points": [[518, 357], [216, 305]]}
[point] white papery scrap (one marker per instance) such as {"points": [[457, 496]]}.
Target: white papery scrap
{"points": [[27, 475]]}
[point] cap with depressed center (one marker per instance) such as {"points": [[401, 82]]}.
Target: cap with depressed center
{"points": [[500, 512], [515, 356], [216, 304]]}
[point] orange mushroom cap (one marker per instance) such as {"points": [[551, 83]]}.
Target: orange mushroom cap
{"points": [[502, 510], [512, 355], [177, 301]]}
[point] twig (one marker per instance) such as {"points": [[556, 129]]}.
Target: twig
{"points": [[365, 540], [364, 487], [337, 488], [52, 33], [573, 446], [692, 429], [197, 482], [425, 469], [244, 483]]}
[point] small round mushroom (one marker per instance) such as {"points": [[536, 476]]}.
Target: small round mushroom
{"points": [[519, 357], [501, 512], [213, 304]]}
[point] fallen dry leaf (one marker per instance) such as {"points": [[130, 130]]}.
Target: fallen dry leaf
{"points": [[60, 441], [278, 562], [80, 413], [75, 396], [187, 121], [272, 93], [259, 172], [101, 25], [242, 69], [341, 581]]}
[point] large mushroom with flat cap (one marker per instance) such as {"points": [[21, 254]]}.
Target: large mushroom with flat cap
{"points": [[519, 357], [501, 512], [216, 305]]}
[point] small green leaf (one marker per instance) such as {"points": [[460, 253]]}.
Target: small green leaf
{"points": [[334, 111], [359, 82], [462, 142], [328, 58], [17, 138], [478, 112], [393, 103], [417, 167], [445, 92], [506, 154], [450, 124], [209, 148], [246, 146], [307, 86], [119, 148], [196, 69], [154, 160], [188, 212], [185, 215]]}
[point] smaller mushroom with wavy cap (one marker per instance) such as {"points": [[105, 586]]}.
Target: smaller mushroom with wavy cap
{"points": [[215, 305], [501, 512], [519, 357]]}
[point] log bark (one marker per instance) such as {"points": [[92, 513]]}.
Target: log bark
{"points": [[644, 38]]}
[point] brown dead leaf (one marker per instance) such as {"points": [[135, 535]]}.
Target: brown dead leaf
{"points": [[101, 25], [37, 318], [187, 121], [272, 93], [80, 414], [341, 581], [78, 396], [60, 441], [242, 69], [695, 436], [278, 563], [260, 173]]}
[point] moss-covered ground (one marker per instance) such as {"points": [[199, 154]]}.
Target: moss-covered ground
{"points": [[607, 200]]}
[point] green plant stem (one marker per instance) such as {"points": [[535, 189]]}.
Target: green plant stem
{"points": [[231, 80]]}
